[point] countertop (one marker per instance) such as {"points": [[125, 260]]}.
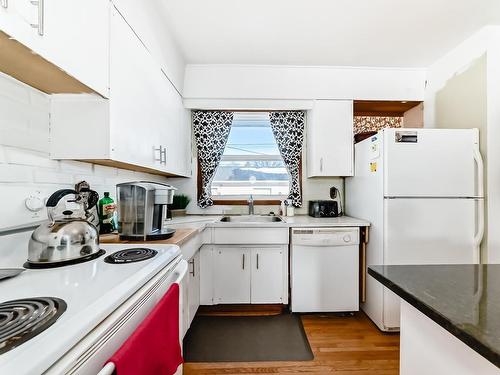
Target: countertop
{"points": [[181, 236], [341, 221], [291, 221], [463, 299], [190, 225]]}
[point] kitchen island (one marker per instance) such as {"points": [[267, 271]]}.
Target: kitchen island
{"points": [[450, 317]]}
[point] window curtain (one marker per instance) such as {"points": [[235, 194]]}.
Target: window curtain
{"points": [[211, 131], [288, 130]]}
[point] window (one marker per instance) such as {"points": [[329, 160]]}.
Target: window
{"points": [[251, 163]]}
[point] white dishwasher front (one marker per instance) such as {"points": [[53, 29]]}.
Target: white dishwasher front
{"points": [[325, 269]]}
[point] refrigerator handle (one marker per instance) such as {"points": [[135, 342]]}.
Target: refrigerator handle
{"points": [[479, 204], [480, 230], [478, 159]]}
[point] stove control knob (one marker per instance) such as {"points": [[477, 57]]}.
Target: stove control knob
{"points": [[347, 238], [34, 203]]}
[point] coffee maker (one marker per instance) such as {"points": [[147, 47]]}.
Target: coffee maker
{"points": [[142, 210]]}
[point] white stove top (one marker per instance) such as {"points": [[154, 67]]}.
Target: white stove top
{"points": [[91, 290]]}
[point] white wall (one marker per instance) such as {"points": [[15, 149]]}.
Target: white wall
{"points": [[25, 167], [147, 19], [300, 82], [463, 90]]}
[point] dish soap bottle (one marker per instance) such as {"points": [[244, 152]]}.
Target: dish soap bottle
{"points": [[107, 209]]}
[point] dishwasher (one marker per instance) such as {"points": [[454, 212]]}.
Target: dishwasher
{"points": [[324, 269]]}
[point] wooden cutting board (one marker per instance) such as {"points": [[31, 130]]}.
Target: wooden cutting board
{"points": [[180, 236]]}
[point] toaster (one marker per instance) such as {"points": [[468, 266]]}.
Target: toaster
{"points": [[328, 208]]}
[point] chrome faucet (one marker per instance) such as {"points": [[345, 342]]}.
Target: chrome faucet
{"points": [[250, 205]]}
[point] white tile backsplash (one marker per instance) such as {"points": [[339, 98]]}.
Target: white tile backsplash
{"points": [[25, 166], [15, 173]]}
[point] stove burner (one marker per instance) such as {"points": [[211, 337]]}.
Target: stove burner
{"points": [[130, 255], [23, 319], [36, 265]]}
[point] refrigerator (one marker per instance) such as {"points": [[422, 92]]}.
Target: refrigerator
{"points": [[422, 191]]}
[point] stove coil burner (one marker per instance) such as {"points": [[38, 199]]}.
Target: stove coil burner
{"points": [[23, 319], [130, 255]]}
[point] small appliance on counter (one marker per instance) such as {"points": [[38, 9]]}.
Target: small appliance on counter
{"points": [[68, 236], [327, 208], [142, 210]]}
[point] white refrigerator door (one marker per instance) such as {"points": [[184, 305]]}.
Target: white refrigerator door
{"points": [[431, 163], [427, 231]]}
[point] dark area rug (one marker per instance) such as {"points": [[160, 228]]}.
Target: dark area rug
{"points": [[246, 339]]}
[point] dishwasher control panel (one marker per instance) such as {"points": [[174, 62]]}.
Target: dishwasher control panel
{"points": [[325, 236]]}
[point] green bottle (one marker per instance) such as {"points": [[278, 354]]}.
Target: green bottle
{"points": [[107, 209]]}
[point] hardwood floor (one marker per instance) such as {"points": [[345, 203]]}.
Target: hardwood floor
{"points": [[341, 345]]}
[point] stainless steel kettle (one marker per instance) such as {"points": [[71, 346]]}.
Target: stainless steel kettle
{"points": [[67, 237]]}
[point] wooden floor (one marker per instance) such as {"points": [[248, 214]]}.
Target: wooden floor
{"points": [[341, 345]]}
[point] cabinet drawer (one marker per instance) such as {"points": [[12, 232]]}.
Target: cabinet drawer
{"points": [[250, 236]]}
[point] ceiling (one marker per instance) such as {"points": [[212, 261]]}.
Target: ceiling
{"points": [[378, 33]]}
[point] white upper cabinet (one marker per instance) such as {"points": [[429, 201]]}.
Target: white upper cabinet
{"points": [[72, 35], [143, 126], [330, 148]]}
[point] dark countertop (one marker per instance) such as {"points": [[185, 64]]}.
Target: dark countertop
{"points": [[463, 299]]}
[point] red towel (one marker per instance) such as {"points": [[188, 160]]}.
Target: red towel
{"points": [[154, 347]]}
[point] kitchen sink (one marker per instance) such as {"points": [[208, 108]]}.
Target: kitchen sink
{"points": [[251, 219]]}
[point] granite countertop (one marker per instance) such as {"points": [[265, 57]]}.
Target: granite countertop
{"points": [[463, 299], [290, 221]]}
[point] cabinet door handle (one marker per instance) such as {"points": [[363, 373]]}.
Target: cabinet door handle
{"points": [[39, 25], [192, 272], [5, 3], [257, 260], [321, 164], [243, 262], [162, 153], [163, 156]]}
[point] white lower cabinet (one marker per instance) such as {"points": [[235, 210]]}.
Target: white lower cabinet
{"points": [[267, 275], [232, 274], [193, 286]]}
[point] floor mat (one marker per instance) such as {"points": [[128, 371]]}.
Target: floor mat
{"points": [[246, 339]]}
